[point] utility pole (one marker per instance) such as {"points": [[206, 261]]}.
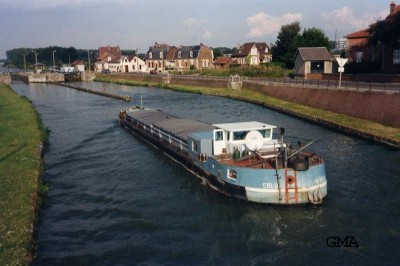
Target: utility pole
{"points": [[54, 61], [24, 61], [88, 54], [36, 54]]}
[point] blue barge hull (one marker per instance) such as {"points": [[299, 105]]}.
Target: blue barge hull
{"points": [[270, 172]]}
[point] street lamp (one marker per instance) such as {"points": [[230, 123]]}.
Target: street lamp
{"points": [[137, 60], [36, 54], [54, 62], [88, 55], [24, 61]]}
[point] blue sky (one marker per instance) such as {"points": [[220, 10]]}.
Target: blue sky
{"points": [[137, 24]]}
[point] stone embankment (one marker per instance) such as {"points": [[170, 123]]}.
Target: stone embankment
{"points": [[51, 77], [39, 77], [380, 107], [5, 78]]}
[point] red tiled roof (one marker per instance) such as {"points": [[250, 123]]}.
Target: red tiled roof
{"points": [[245, 48], [365, 33], [77, 62], [359, 34], [222, 61], [109, 50], [395, 11]]}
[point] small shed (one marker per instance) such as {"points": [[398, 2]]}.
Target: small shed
{"points": [[312, 60]]}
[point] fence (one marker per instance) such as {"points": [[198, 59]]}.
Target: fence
{"points": [[285, 81]]}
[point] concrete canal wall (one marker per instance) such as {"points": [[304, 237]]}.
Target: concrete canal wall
{"points": [[5, 78], [380, 107], [39, 78], [374, 106], [51, 77]]}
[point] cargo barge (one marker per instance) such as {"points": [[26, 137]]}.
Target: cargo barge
{"points": [[240, 160]]}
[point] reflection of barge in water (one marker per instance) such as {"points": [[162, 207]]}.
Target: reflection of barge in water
{"points": [[240, 160]]}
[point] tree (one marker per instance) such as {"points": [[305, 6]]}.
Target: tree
{"points": [[313, 37], [220, 51], [285, 48], [385, 33]]}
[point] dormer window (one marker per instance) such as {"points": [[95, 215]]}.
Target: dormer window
{"points": [[191, 54], [150, 55], [179, 54], [109, 58]]}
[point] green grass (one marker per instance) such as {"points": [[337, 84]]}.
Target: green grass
{"points": [[21, 167], [358, 124]]}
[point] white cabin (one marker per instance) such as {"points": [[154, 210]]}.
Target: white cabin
{"points": [[226, 138], [244, 135]]}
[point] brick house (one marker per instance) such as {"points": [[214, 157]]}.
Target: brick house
{"points": [[160, 57], [195, 56], [106, 55], [252, 53], [360, 52]]}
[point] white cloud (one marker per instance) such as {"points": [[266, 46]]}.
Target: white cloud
{"points": [[207, 35], [345, 17], [262, 24], [191, 23]]}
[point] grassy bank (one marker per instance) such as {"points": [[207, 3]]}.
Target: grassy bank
{"points": [[21, 138], [361, 125]]}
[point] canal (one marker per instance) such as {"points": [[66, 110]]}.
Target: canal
{"points": [[115, 200]]}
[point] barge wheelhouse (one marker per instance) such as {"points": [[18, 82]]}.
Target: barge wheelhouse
{"points": [[240, 160]]}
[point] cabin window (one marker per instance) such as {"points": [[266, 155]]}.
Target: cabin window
{"points": [[266, 133], [239, 135], [396, 57], [194, 146], [219, 135]]}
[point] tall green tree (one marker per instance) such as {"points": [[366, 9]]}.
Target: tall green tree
{"points": [[285, 48], [313, 37], [386, 32]]}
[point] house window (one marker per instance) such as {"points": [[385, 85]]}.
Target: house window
{"points": [[359, 56], [150, 55], [191, 54], [179, 54], [396, 57], [161, 55]]}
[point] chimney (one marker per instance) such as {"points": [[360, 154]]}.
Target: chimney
{"points": [[392, 7]]}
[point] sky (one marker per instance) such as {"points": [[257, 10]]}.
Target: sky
{"points": [[138, 24]]}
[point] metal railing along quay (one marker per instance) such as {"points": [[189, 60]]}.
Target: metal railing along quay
{"points": [[296, 82]]}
